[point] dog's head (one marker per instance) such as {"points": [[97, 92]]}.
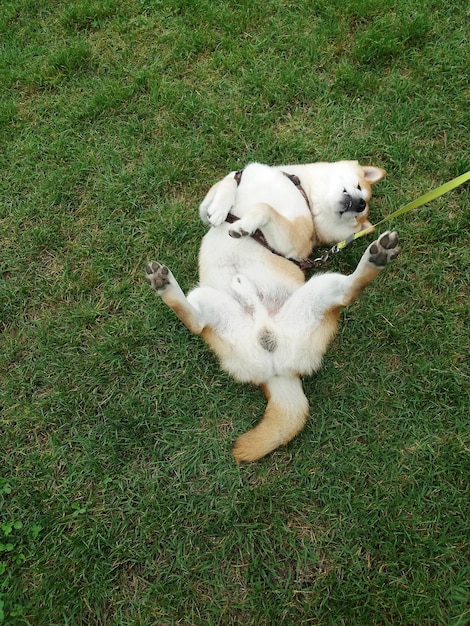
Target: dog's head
{"points": [[341, 199]]}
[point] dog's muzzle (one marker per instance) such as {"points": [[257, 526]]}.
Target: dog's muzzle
{"points": [[354, 205]]}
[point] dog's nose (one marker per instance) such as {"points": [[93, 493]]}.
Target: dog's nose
{"points": [[361, 205], [357, 205]]}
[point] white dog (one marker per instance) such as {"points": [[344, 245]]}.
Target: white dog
{"points": [[252, 306]]}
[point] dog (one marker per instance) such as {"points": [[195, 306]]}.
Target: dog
{"points": [[253, 307]]}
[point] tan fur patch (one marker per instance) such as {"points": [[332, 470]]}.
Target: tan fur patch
{"points": [[298, 231], [322, 336], [289, 270], [218, 345], [367, 276], [268, 434], [303, 233], [183, 312]]}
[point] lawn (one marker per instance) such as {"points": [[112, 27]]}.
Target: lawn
{"points": [[120, 502]]}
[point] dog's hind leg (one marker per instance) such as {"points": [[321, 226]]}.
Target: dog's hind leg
{"points": [[330, 292], [379, 254], [162, 280], [204, 306], [284, 418]]}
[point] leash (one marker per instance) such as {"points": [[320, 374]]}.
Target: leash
{"points": [[424, 199]]}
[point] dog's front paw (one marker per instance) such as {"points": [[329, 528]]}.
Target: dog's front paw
{"points": [[247, 225], [157, 276], [214, 210], [236, 231], [217, 204], [216, 215], [384, 250]]}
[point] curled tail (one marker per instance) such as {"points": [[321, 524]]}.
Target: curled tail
{"points": [[284, 417]]}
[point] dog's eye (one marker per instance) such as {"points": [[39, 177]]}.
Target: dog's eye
{"points": [[359, 187], [344, 190]]}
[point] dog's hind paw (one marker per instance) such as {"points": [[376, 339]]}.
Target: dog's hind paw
{"points": [[157, 276], [384, 250]]}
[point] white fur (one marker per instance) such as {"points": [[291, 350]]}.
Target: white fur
{"points": [[323, 183], [265, 324]]}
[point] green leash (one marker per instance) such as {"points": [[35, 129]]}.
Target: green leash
{"points": [[427, 197]]}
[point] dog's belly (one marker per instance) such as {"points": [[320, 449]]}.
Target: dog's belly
{"points": [[251, 340], [221, 258]]}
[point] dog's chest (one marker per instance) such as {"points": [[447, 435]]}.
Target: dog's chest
{"points": [[261, 183]]}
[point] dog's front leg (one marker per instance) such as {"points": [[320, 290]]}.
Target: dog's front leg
{"points": [[219, 200], [256, 217], [162, 280], [291, 238]]}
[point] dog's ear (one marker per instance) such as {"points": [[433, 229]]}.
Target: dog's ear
{"points": [[373, 174]]}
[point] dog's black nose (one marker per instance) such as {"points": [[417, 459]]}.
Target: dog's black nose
{"points": [[353, 204]]}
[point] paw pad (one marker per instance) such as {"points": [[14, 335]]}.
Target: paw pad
{"points": [[236, 234], [384, 250], [157, 276], [389, 240]]}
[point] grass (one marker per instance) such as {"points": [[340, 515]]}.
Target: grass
{"points": [[120, 503]]}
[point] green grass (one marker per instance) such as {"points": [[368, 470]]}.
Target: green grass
{"points": [[120, 503]]}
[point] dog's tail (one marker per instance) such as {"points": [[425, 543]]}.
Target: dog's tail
{"points": [[284, 417]]}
